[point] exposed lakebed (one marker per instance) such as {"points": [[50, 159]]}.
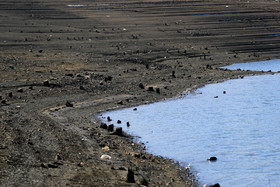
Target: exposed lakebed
{"points": [[236, 121]]}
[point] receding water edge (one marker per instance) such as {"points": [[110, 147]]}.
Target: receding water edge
{"points": [[202, 127]]}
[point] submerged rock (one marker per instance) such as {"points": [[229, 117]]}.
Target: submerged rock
{"points": [[215, 185], [109, 119], [212, 159]]}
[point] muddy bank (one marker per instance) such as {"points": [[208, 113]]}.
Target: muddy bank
{"points": [[103, 56]]}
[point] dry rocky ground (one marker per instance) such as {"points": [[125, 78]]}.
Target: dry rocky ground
{"points": [[62, 62]]}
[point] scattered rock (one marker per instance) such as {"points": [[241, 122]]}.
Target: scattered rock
{"points": [[46, 83], [106, 157], [69, 104], [130, 176], [82, 88], [158, 91], [109, 119], [122, 168], [44, 165], [136, 155], [209, 66], [151, 89], [52, 166], [103, 126], [106, 148], [109, 78], [224, 92], [118, 131], [119, 121], [212, 159], [173, 74], [81, 164], [40, 51], [20, 90], [120, 102], [69, 74], [4, 102], [57, 157], [11, 94], [216, 97], [110, 127], [135, 109], [141, 86]]}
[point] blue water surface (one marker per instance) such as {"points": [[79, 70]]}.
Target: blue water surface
{"points": [[270, 65], [237, 121]]}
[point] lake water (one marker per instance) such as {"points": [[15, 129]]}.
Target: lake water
{"points": [[270, 65], [237, 121]]}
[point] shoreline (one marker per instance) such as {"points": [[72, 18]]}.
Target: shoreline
{"points": [[60, 65]]}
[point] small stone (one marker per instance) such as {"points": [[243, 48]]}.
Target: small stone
{"points": [[158, 91], [44, 165], [40, 51], [52, 166], [110, 127], [215, 185], [136, 155], [151, 89], [3, 102], [11, 94], [46, 83], [109, 119], [106, 148], [82, 88], [20, 90], [212, 159], [118, 131], [120, 102], [69, 104], [109, 78], [130, 176], [103, 126], [216, 96], [141, 86], [81, 164], [173, 74], [57, 157], [69, 74], [106, 157]]}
